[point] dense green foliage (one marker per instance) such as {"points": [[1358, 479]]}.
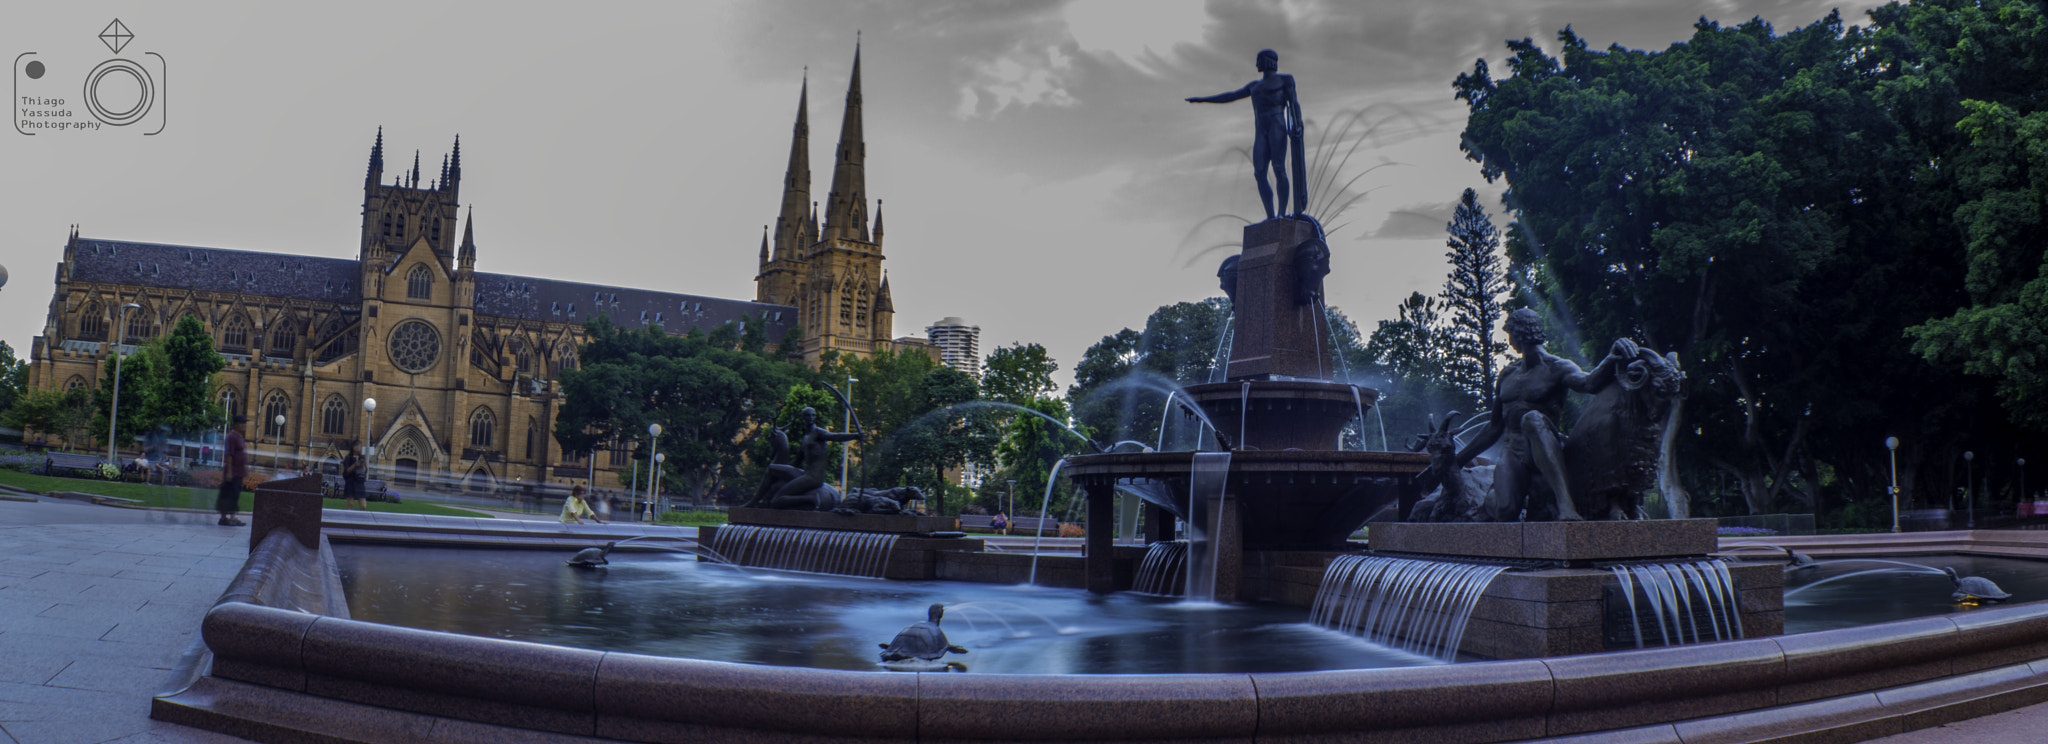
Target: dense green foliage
{"points": [[706, 391], [1837, 229]]}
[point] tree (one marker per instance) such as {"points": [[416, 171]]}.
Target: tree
{"points": [[1472, 297], [190, 362], [1032, 445], [1412, 354], [142, 379], [1018, 374], [1771, 207], [65, 414], [1121, 384], [13, 377], [704, 390]]}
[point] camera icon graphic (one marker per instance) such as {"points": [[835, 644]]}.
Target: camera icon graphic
{"points": [[79, 89]]}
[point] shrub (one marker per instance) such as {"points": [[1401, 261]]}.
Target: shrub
{"points": [[1072, 530], [22, 463]]}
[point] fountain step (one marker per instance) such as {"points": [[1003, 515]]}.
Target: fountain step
{"points": [[1576, 543], [893, 524]]}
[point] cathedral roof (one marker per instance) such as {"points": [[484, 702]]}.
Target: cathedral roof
{"points": [[216, 270], [334, 280], [553, 300]]}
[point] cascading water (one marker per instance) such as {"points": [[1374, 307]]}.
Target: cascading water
{"points": [[1164, 570], [1207, 477], [1421, 606], [814, 551], [1680, 603], [1219, 365], [1038, 535]]}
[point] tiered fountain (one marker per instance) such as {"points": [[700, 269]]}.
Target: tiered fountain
{"points": [[1270, 516]]}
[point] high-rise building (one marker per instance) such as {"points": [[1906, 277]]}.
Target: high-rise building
{"points": [[959, 344]]}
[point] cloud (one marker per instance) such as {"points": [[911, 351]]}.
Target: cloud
{"points": [[1417, 221], [1023, 76]]}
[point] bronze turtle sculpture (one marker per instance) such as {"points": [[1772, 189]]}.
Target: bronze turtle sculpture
{"points": [[921, 640], [591, 557], [1975, 589]]}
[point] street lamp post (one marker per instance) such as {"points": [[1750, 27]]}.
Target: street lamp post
{"points": [[2023, 479], [277, 442], [1892, 443], [114, 411], [654, 484], [1012, 506], [1969, 487], [635, 490], [369, 407], [846, 450], [653, 467]]}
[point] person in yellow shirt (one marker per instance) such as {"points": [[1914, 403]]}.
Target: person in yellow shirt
{"points": [[575, 510]]}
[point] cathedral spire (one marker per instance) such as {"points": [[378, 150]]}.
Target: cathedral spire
{"points": [[846, 210], [764, 245], [467, 256], [878, 224], [376, 161], [796, 182], [453, 181], [415, 183]]}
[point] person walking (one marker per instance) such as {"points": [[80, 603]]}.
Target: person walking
{"points": [[574, 509], [354, 473], [234, 467]]}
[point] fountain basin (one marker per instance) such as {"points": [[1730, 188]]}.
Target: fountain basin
{"points": [[1286, 499], [295, 674], [1281, 414]]}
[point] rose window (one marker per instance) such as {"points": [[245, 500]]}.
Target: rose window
{"points": [[415, 346]]}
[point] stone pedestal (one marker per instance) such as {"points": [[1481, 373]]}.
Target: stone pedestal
{"points": [[1276, 335], [803, 519], [290, 504], [1559, 598]]}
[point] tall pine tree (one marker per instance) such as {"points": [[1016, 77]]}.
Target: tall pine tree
{"points": [[1471, 300]]}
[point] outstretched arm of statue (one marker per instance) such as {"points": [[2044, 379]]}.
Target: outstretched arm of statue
{"points": [[1226, 97], [843, 436]]}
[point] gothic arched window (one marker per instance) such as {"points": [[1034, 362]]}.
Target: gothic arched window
{"points": [[234, 335], [284, 336], [482, 425], [92, 323], [74, 383], [273, 407], [230, 403], [334, 416], [532, 438], [419, 283], [138, 327]]}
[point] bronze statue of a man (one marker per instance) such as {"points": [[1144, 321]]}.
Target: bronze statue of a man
{"points": [[1524, 420], [1277, 118]]}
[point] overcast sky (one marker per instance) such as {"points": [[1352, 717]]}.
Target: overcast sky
{"points": [[1040, 173]]}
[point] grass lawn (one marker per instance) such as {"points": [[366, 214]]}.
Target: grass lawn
{"points": [[693, 518], [193, 498]]}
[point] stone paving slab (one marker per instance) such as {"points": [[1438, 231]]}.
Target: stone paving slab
{"points": [[97, 604]]}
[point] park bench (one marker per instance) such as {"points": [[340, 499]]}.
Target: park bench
{"points": [[976, 522], [373, 489], [55, 461]]}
